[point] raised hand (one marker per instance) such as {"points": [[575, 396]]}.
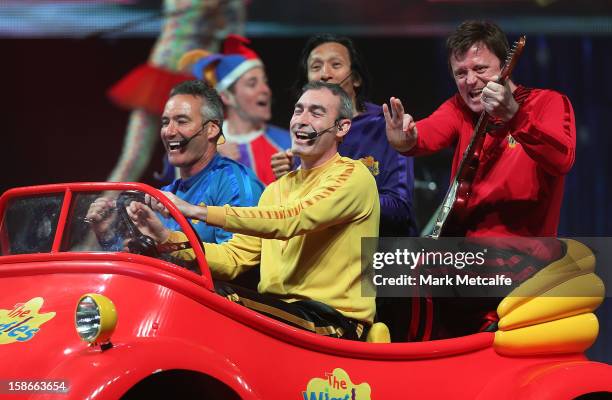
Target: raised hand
{"points": [[401, 128], [498, 101]]}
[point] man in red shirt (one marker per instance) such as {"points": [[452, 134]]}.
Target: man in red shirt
{"points": [[518, 188]]}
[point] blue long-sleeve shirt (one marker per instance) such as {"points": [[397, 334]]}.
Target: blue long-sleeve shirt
{"points": [[393, 172], [223, 181]]}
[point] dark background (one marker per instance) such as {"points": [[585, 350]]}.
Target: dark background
{"points": [[58, 125]]}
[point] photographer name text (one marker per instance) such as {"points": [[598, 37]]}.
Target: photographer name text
{"points": [[445, 280]]}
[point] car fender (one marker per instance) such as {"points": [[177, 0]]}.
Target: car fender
{"points": [[551, 381], [111, 373]]}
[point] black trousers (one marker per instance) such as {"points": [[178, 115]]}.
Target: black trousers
{"points": [[310, 315]]}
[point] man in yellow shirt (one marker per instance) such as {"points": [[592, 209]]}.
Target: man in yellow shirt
{"points": [[306, 231]]}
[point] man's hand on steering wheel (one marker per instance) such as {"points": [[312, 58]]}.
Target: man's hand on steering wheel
{"points": [[147, 222], [156, 206], [100, 216], [187, 209]]}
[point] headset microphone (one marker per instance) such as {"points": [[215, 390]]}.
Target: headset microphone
{"points": [[184, 141], [344, 80], [314, 134]]}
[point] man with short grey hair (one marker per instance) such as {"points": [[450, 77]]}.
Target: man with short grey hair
{"points": [[190, 139], [190, 131]]}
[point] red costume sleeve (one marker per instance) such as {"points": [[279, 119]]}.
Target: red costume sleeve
{"points": [[546, 128], [438, 131]]}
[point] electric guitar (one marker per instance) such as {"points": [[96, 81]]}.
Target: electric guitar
{"points": [[454, 205]]}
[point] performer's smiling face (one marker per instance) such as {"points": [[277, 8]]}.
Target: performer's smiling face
{"points": [[471, 71], [252, 96], [182, 120], [317, 110], [331, 62]]}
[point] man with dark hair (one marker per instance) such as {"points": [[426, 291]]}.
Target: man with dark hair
{"points": [[357, 81], [530, 146], [519, 188], [190, 132], [471, 32], [335, 59], [304, 230]]}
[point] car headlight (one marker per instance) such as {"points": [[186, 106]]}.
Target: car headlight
{"points": [[95, 318]]}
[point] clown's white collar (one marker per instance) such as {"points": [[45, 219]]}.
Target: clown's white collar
{"points": [[242, 138]]}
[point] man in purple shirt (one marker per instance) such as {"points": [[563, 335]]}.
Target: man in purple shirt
{"points": [[334, 59]]}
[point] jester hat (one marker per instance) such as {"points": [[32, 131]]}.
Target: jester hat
{"points": [[222, 70]]}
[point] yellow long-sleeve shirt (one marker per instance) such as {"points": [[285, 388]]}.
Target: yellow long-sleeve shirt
{"points": [[306, 234]]}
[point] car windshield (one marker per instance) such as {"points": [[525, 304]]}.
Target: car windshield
{"points": [[29, 224], [96, 221]]}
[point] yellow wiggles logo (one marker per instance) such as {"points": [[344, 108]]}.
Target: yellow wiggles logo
{"points": [[336, 386], [372, 164], [511, 142], [21, 323]]}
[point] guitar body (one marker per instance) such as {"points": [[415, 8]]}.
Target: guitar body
{"points": [[464, 192], [465, 180], [453, 225]]}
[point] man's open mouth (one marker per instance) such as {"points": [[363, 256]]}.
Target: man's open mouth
{"points": [[175, 145], [302, 135], [475, 94]]}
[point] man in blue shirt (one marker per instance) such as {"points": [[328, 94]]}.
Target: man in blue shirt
{"points": [[334, 59], [190, 132]]}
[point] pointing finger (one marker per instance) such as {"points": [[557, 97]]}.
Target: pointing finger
{"points": [[398, 108], [386, 113]]}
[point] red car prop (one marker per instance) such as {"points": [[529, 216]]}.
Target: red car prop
{"points": [[82, 318]]}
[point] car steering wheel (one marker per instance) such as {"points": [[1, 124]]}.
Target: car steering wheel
{"points": [[138, 243]]}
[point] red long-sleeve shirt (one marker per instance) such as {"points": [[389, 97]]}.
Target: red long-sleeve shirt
{"points": [[518, 188]]}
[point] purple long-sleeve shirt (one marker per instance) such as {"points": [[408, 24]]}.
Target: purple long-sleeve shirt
{"points": [[367, 140]]}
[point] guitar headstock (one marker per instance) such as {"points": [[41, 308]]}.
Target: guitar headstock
{"points": [[513, 56]]}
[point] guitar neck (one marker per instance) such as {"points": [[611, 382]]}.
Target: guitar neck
{"points": [[451, 195]]}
